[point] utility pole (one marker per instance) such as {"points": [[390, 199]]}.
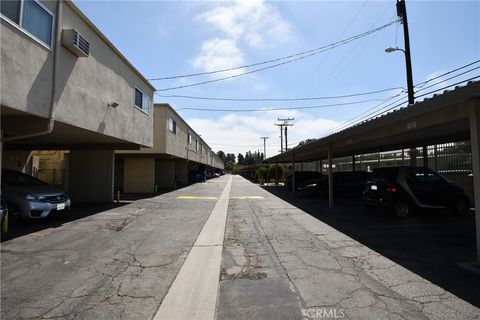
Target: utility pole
{"points": [[284, 124], [281, 136], [264, 146], [402, 13]]}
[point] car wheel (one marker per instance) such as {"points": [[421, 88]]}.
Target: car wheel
{"points": [[401, 209], [460, 207]]}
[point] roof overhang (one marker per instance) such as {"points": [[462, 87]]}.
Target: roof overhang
{"points": [[442, 118], [63, 137]]}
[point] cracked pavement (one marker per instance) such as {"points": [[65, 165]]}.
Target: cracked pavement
{"points": [[281, 263], [116, 264], [277, 263]]}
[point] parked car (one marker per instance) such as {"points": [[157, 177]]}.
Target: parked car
{"points": [[344, 183], [197, 176], [405, 188], [30, 198], [301, 176]]}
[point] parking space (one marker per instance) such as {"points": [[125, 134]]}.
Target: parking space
{"points": [[18, 228], [102, 261], [437, 246], [241, 252]]}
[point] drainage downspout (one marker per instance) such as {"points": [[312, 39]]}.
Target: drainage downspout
{"points": [[51, 116]]}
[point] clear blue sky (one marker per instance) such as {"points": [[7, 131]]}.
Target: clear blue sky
{"points": [[165, 38]]}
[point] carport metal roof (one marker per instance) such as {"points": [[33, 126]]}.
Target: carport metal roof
{"points": [[442, 118]]}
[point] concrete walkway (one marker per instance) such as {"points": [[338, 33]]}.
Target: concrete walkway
{"points": [[147, 259]]}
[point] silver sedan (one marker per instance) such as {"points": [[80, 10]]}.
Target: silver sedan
{"points": [[31, 198]]}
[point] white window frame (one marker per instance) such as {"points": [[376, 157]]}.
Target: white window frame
{"points": [[174, 122], [143, 94], [189, 138], [196, 145], [25, 31]]}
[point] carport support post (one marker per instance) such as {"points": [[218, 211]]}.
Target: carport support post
{"points": [[293, 173], [330, 178], [276, 174], [475, 143], [425, 157]]}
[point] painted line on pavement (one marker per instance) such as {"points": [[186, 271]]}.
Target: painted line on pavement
{"points": [[197, 198], [247, 197], [193, 294]]}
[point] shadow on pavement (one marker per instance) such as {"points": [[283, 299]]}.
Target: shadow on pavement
{"points": [[18, 228], [436, 246]]}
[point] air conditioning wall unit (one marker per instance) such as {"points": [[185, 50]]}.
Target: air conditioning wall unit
{"points": [[74, 42]]}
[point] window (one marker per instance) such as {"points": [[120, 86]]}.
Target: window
{"points": [[172, 125], [196, 145], [201, 149], [32, 16], [142, 101], [11, 10], [189, 138]]}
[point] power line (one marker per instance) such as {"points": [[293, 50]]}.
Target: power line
{"points": [[362, 115], [325, 56], [276, 59], [378, 112], [333, 73], [421, 84], [279, 99], [300, 56], [443, 80], [278, 108], [347, 123]]}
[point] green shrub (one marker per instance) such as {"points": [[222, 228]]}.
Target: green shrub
{"points": [[280, 171], [261, 173]]}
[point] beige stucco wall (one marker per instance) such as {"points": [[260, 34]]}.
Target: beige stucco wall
{"points": [[139, 175], [85, 85], [176, 144], [26, 77]]}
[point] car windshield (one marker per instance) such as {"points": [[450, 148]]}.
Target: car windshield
{"points": [[18, 179]]}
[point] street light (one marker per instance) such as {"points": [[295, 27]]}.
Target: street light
{"points": [[390, 49], [402, 13], [408, 65]]}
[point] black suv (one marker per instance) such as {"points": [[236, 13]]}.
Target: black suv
{"points": [[344, 183], [405, 188], [301, 176]]}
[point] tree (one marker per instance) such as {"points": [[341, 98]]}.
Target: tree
{"points": [[221, 155], [229, 161], [240, 159], [301, 143], [253, 158]]}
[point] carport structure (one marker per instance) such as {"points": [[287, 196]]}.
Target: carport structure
{"points": [[448, 117]]}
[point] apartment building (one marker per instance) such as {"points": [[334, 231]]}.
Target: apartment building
{"points": [[177, 151], [64, 86]]}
